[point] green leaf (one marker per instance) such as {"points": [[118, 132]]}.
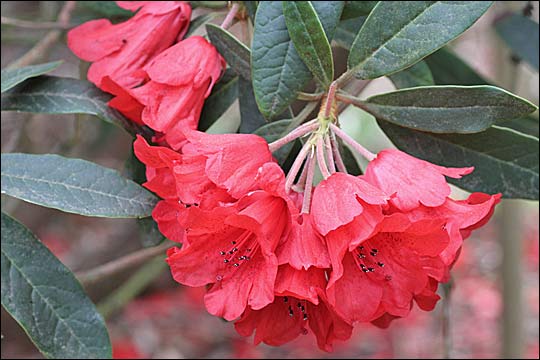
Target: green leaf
{"points": [[521, 34], [198, 22], [354, 9], [74, 185], [222, 97], [416, 75], [108, 9], [56, 95], [505, 161], [149, 232], [309, 39], [449, 69], [251, 7], [235, 53], [447, 109], [278, 72], [209, 4], [347, 30], [350, 161], [273, 131], [250, 116], [44, 297], [398, 34], [12, 77]]}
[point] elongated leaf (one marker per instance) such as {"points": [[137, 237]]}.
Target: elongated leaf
{"points": [[199, 21], [12, 77], [354, 9], [416, 75], [44, 297], [56, 95], [521, 34], [107, 9], [309, 39], [449, 69], [235, 53], [278, 72], [73, 185], [221, 99], [398, 34], [448, 109], [505, 161], [250, 116]]}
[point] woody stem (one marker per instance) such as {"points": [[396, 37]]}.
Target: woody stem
{"points": [[356, 146], [306, 204], [230, 16], [296, 133], [337, 155]]}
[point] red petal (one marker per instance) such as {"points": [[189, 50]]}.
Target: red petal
{"points": [[300, 284]]}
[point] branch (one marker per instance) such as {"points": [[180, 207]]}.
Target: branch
{"points": [[46, 25], [50, 38], [92, 276]]}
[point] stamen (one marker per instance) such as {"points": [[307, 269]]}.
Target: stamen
{"points": [[356, 146]]}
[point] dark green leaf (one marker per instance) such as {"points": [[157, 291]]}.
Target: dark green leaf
{"points": [[198, 22], [12, 77], [209, 4], [505, 161], [56, 95], [278, 73], [309, 39], [74, 185], [521, 34], [448, 69], [416, 75], [44, 297], [398, 34], [221, 99], [448, 109], [149, 232], [273, 131], [347, 30], [354, 9], [108, 9], [251, 117], [235, 53], [251, 7], [350, 161]]}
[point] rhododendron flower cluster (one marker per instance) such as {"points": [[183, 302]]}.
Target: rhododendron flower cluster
{"points": [[158, 78], [281, 255]]}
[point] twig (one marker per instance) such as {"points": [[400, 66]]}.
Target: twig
{"points": [[446, 322], [45, 25], [352, 143], [105, 271], [50, 38], [230, 16]]}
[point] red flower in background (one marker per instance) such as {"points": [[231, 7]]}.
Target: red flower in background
{"points": [[120, 51]]}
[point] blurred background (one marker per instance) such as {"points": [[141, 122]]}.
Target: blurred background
{"points": [[493, 310]]}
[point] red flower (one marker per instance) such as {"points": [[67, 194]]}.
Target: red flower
{"points": [[413, 181], [121, 51], [232, 247], [300, 304], [181, 78]]}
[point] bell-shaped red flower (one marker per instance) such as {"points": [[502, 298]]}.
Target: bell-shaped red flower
{"points": [[414, 182], [300, 304], [232, 247], [120, 51]]}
